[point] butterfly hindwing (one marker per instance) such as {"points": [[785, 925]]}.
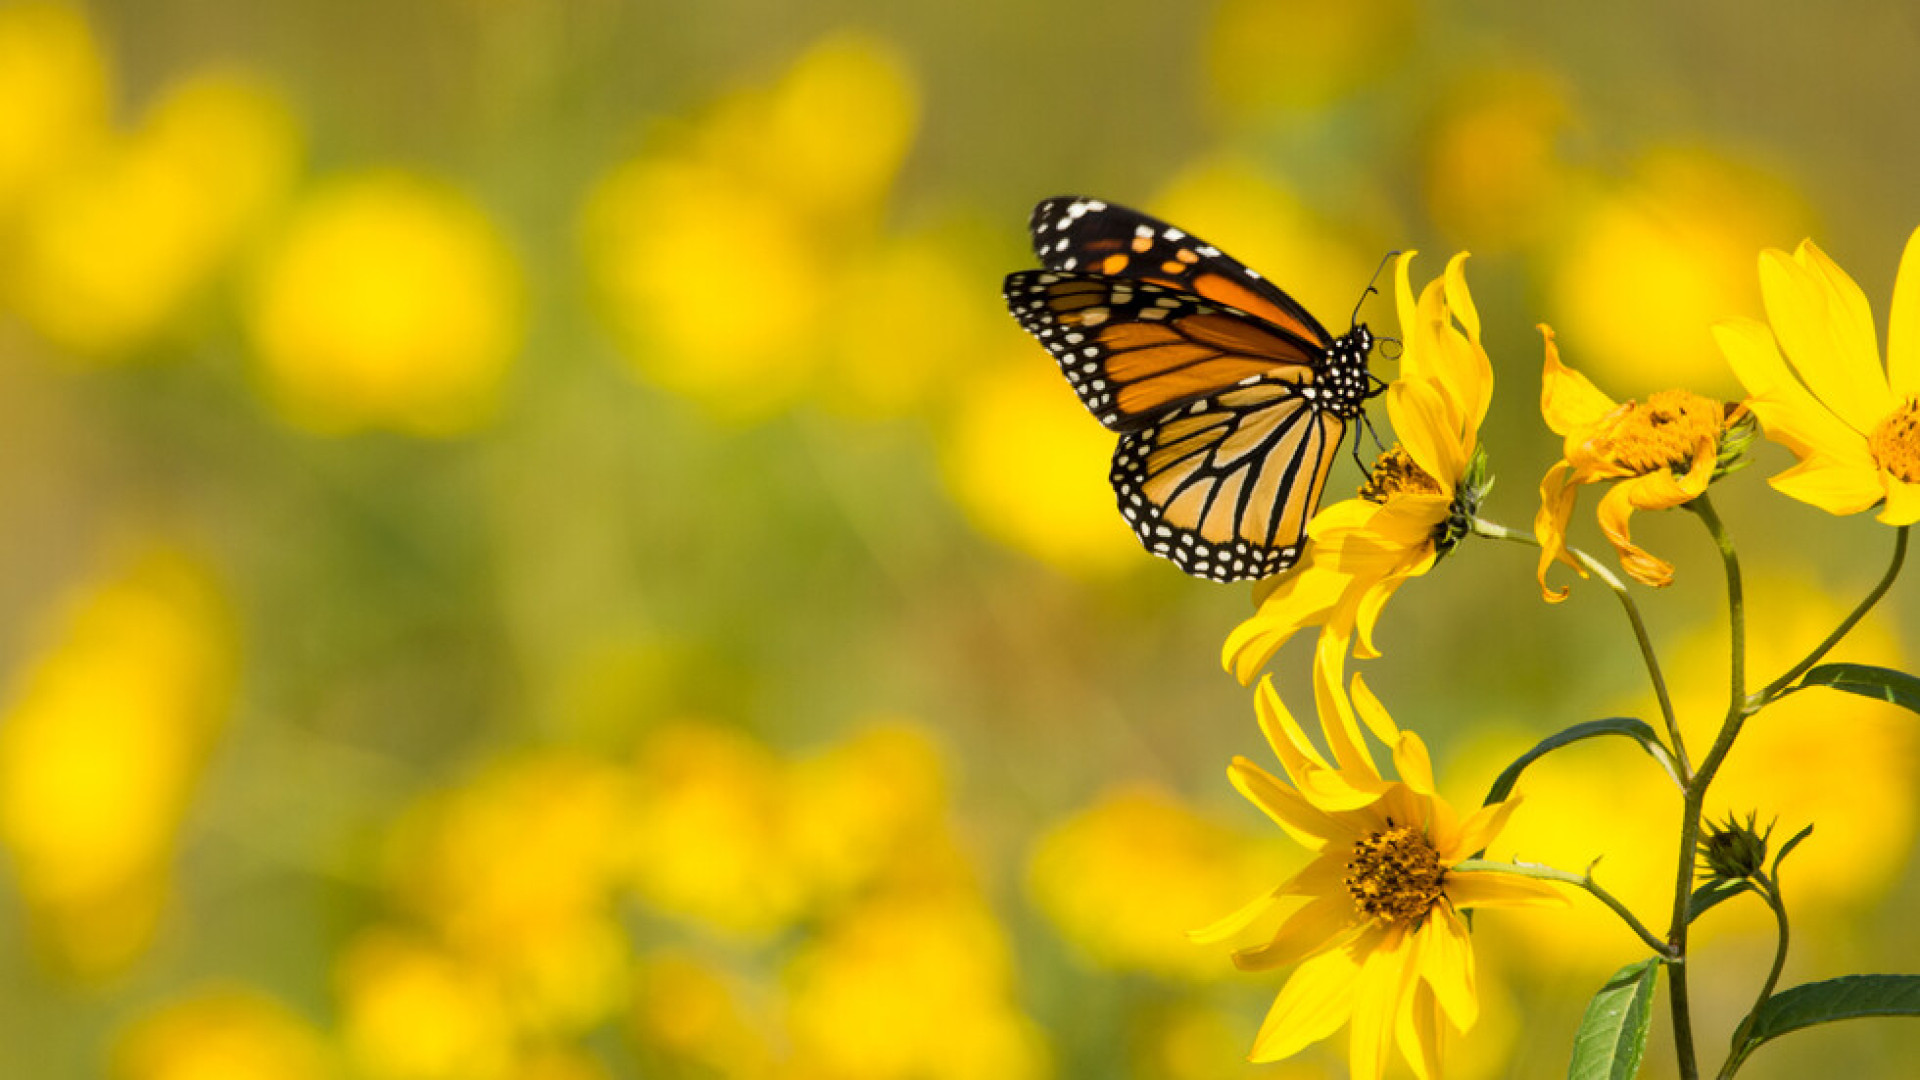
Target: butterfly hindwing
{"points": [[1224, 487], [1134, 349], [1075, 233]]}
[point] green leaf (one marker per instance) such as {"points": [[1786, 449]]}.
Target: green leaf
{"points": [[1633, 729], [1881, 684], [1613, 1034], [1710, 894], [1847, 998]]}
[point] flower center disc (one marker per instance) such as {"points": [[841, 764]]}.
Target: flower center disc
{"points": [[1664, 433], [1396, 473], [1895, 444], [1395, 875]]}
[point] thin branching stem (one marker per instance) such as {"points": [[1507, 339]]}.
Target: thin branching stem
{"points": [[1496, 531], [1584, 881], [1779, 686]]}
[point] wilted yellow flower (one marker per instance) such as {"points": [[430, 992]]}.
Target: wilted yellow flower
{"points": [[102, 743], [1854, 427], [115, 252], [1658, 455], [1416, 503], [1644, 268], [914, 985], [55, 83], [410, 1012], [1043, 490], [221, 1033], [392, 302], [1379, 943], [1125, 876]]}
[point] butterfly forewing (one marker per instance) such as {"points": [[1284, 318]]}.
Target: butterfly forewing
{"points": [[1075, 233], [1133, 349]]}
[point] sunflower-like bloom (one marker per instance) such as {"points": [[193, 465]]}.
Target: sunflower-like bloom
{"points": [[1379, 943], [1854, 427], [1661, 453], [1417, 500]]}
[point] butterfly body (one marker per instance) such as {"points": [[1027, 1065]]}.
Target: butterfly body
{"points": [[1229, 398]]}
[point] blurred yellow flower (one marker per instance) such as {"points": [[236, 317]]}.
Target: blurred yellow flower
{"points": [[102, 743], [1125, 877], [1493, 173], [709, 841], [1031, 472], [55, 83], [694, 1012], [409, 1012], [722, 254], [1660, 454], [1266, 56], [516, 870], [914, 985], [1854, 427], [853, 808], [391, 301], [1416, 503], [1379, 944], [1644, 270], [221, 1033], [115, 252]]}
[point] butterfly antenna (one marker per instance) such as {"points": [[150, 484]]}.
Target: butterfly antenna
{"points": [[1371, 285]]}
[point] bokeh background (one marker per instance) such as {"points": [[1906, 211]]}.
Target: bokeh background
{"points": [[532, 549]]}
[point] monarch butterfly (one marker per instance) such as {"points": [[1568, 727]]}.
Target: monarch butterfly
{"points": [[1230, 399]]}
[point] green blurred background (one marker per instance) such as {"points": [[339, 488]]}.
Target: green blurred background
{"points": [[532, 549]]}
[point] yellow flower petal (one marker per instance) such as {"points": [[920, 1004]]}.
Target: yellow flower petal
{"points": [[1284, 734], [1480, 889], [1833, 486], [1568, 400], [1421, 1042], [1410, 759], [1823, 323], [1903, 324], [1792, 416], [1447, 967], [1316, 1000], [1903, 503], [1557, 493], [1324, 924], [1309, 827], [1478, 830], [1299, 600], [1616, 509], [1387, 977]]}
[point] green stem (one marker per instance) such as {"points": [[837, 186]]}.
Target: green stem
{"points": [[1738, 709], [1779, 686], [1584, 881], [1495, 531], [1738, 1055]]}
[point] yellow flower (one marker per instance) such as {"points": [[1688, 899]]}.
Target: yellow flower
{"points": [[220, 1033], [1415, 504], [392, 301], [1379, 942], [1663, 453], [103, 741], [1855, 428]]}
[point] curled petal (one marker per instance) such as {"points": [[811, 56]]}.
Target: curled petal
{"points": [[1616, 509], [1568, 400], [1557, 492]]}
